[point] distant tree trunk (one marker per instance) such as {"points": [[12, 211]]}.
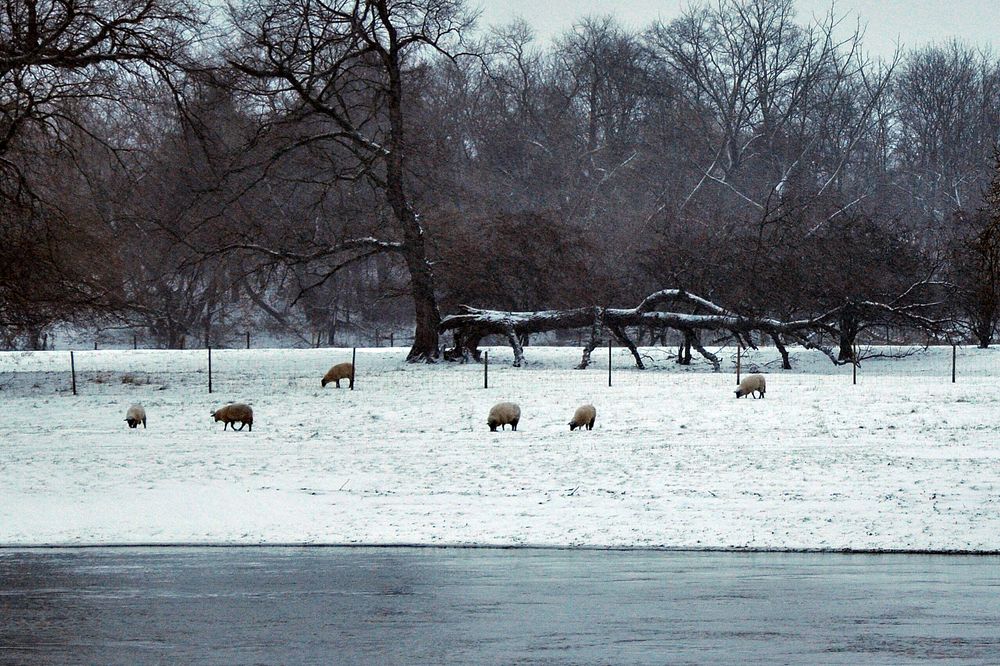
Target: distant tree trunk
{"points": [[620, 333], [34, 339], [850, 326], [684, 351], [785, 363]]}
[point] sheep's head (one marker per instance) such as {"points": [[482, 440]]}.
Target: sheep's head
{"points": [[739, 394], [323, 382], [215, 415], [573, 425], [492, 423], [132, 423]]}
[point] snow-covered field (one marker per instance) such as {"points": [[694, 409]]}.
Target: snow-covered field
{"points": [[903, 460]]}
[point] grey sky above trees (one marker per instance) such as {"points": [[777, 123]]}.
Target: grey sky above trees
{"points": [[912, 23]]}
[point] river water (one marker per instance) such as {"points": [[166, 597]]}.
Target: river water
{"points": [[483, 606]]}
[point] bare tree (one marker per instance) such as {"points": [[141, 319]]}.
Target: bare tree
{"points": [[337, 71], [66, 68], [948, 120], [977, 264], [783, 106]]}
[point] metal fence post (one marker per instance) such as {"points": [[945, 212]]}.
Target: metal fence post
{"points": [[609, 361], [739, 358], [954, 353]]}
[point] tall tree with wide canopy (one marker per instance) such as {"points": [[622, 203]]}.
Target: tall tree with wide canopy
{"points": [[335, 74]]}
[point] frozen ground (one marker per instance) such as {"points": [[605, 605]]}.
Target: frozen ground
{"points": [[903, 460]]}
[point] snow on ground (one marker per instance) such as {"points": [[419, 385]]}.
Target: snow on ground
{"points": [[903, 460]]}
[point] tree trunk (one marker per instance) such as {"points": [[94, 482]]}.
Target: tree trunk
{"points": [[848, 334], [620, 333], [425, 308], [785, 363], [684, 351]]}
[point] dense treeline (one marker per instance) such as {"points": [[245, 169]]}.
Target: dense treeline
{"points": [[333, 170]]}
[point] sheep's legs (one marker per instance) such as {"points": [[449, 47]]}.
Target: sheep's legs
{"points": [[242, 425]]}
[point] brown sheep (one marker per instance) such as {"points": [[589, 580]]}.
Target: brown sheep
{"points": [[502, 414], [230, 414], [135, 415], [338, 372], [750, 384], [585, 415]]}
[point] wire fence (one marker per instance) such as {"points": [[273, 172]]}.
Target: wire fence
{"points": [[232, 372]]}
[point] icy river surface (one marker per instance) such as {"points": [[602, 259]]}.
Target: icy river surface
{"points": [[483, 606]]}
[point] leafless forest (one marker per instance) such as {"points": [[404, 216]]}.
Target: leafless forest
{"points": [[336, 171]]}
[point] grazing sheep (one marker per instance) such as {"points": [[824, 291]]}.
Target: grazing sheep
{"points": [[750, 384], [230, 414], [135, 415], [338, 372], [585, 415], [502, 414]]}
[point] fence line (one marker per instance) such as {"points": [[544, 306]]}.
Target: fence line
{"points": [[236, 370]]}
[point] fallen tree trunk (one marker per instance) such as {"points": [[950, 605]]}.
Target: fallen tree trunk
{"points": [[470, 325]]}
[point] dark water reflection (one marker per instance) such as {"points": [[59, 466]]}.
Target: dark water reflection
{"points": [[406, 606]]}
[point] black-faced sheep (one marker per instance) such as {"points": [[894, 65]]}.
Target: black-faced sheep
{"points": [[502, 414], [230, 414], [135, 415], [749, 384], [338, 372], [585, 415]]}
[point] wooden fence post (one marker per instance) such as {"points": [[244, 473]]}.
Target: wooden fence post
{"points": [[354, 366], [609, 361], [72, 369], [486, 369], [739, 359], [209, 369], [248, 339]]}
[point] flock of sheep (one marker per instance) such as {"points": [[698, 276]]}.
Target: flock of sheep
{"points": [[501, 415]]}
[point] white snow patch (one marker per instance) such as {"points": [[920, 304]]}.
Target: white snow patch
{"points": [[903, 460]]}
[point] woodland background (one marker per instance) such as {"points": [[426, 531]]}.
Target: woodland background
{"points": [[336, 172]]}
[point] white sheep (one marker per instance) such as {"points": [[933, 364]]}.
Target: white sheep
{"points": [[583, 416], [135, 415], [338, 372], [230, 414], [504, 413], [750, 384]]}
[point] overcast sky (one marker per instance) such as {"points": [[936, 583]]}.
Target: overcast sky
{"points": [[910, 22]]}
